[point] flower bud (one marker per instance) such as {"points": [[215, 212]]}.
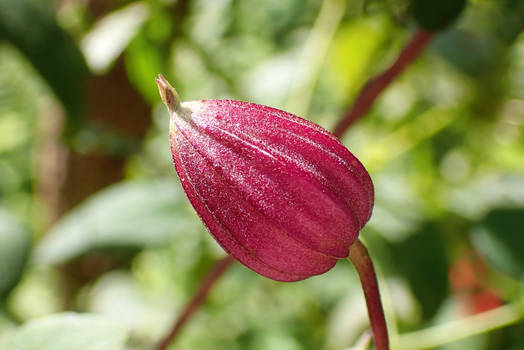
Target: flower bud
{"points": [[280, 194]]}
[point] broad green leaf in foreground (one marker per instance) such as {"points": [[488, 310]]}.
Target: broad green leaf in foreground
{"points": [[124, 215], [66, 332]]}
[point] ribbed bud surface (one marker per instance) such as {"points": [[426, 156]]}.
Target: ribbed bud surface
{"points": [[280, 194]]}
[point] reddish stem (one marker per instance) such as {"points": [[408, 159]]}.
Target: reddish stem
{"points": [[205, 287], [376, 85], [359, 256]]}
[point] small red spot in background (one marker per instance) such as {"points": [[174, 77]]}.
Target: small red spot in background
{"points": [[470, 281]]}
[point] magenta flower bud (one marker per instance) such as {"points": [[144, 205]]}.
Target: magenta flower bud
{"points": [[280, 194]]}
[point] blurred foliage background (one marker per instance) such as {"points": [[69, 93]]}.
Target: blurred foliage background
{"points": [[98, 242]]}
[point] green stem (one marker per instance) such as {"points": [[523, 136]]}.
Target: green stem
{"points": [[313, 56], [463, 328], [359, 256]]}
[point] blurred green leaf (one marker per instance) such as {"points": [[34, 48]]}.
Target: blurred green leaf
{"points": [[14, 248], [508, 19], [476, 198], [38, 294], [435, 15], [470, 52], [124, 215], [421, 258], [18, 99], [31, 27], [118, 297], [66, 332], [111, 35], [13, 132], [500, 238], [143, 63], [355, 48]]}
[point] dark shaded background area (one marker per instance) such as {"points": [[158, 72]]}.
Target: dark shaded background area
{"points": [[93, 220]]}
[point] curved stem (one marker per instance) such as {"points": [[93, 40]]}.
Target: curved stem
{"points": [[376, 85], [203, 290], [455, 330], [359, 256]]}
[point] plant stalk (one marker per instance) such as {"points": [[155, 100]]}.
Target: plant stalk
{"points": [[453, 331], [372, 89], [359, 257], [313, 56]]}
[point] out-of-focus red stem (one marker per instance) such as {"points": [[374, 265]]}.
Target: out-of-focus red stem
{"points": [[209, 281], [359, 256], [376, 85]]}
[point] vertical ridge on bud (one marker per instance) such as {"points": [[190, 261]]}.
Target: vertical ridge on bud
{"points": [[223, 234], [280, 194]]}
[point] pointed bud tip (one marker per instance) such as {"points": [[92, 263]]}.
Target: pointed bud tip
{"points": [[168, 93]]}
